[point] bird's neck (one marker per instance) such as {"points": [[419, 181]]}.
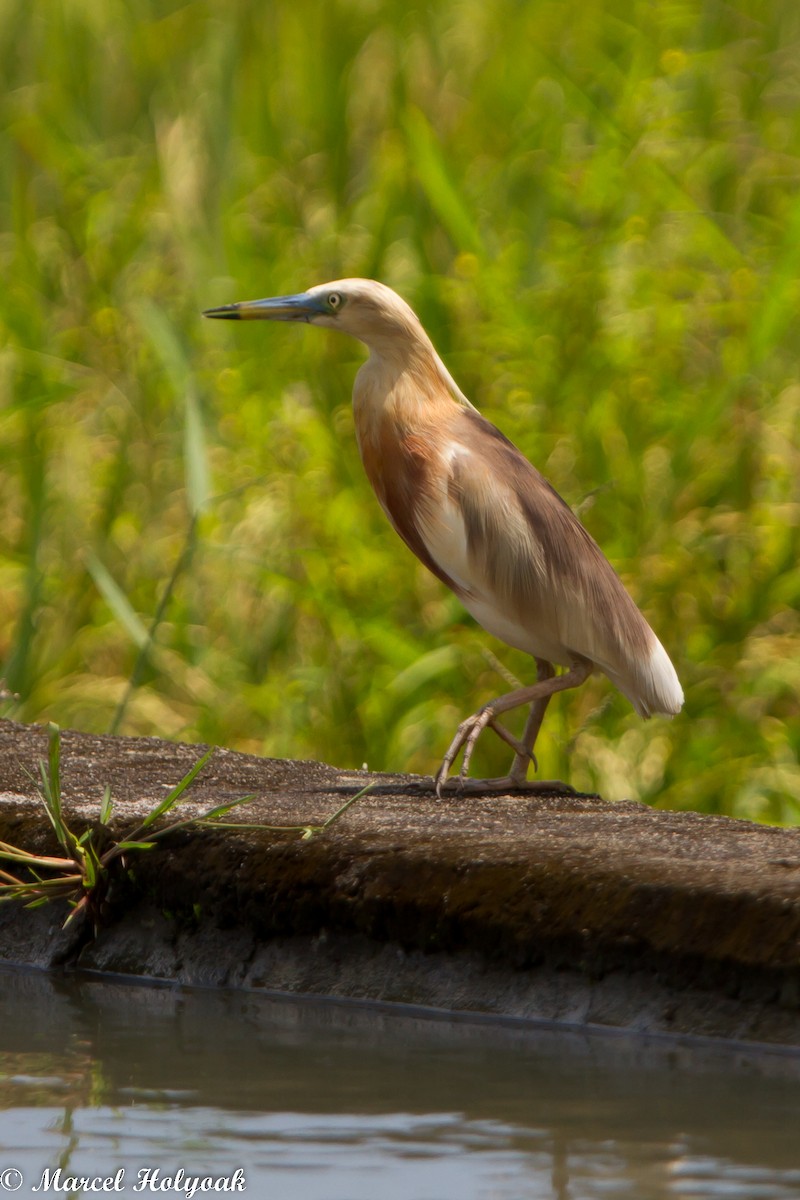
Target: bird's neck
{"points": [[409, 394]]}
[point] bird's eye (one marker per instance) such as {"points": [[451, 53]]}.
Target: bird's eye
{"points": [[335, 300]]}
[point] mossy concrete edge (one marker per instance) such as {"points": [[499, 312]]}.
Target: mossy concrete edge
{"points": [[557, 908]]}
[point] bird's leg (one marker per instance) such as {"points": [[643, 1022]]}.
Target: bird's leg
{"points": [[523, 749], [519, 767], [537, 695]]}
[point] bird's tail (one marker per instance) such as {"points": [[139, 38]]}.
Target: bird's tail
{"points": [[652, 685]]}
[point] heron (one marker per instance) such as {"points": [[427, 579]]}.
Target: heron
{"points": [[481, 518]]}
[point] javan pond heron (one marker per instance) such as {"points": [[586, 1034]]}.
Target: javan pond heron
{"points": [[472, 508]]}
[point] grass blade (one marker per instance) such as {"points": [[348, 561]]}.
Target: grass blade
{"points": [[54, 763], [175, 360], [198, 489], [144, 649], [443, 197], [106, 806], [169, 801], [117, 601], [13, 854]]}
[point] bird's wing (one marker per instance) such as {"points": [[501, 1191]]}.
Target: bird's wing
{"points": [[528, 570], [490, 526]]}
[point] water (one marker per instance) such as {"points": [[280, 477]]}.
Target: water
{"points": [[331, 1101]]}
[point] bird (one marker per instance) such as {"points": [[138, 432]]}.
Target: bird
{"points": [[486, 522]]}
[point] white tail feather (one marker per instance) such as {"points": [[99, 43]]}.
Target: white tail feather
{"points": [[653, 685]]}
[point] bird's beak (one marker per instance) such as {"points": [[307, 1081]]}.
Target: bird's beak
{"points": [[278, 308]]}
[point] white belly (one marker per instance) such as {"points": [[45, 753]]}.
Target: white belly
{"points": [[532, 641]]}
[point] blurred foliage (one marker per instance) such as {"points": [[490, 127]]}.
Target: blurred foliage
{"points": [[598, 221]]}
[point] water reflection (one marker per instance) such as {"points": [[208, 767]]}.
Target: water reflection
{"points": [[336, 1102]]}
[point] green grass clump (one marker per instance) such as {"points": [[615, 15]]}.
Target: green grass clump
{"points": [[597, 221], [84, 873]]}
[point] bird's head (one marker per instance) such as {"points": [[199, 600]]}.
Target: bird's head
{"points": [[365, 309]]}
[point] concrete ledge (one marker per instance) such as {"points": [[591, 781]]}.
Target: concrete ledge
{"points": [[554, 908]]}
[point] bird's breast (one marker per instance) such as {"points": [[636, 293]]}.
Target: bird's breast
{"points": [[414, 476], [473, 537], [403, 468]]}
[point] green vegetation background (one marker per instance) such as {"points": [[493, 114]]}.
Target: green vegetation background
{"points": [[594, 209]]}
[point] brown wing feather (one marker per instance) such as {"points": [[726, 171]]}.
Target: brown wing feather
{"points": [[562, 572]]}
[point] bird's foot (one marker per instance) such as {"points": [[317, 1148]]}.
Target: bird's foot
{"points": [[467, 736], [505, 784]]}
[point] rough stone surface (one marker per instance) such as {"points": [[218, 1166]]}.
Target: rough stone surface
{"points": [[551, 907]]}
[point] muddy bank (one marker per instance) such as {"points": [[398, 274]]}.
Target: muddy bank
{"points": [[559, 908]]}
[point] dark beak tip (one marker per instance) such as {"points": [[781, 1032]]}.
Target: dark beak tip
{"points": [[228, 312]]}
